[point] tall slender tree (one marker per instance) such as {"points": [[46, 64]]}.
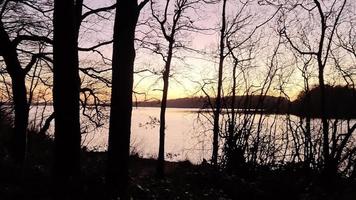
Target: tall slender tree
{"points": [[217, 106], [170, 25], [127, 13]]}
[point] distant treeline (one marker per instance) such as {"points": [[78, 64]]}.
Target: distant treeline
{"points": [[340, 102], [252, 103]]}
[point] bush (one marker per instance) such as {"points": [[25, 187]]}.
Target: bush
{"points": [[39, 147]]}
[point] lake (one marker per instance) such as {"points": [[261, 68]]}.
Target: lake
{"points": [[189, 132], [186, 135]]}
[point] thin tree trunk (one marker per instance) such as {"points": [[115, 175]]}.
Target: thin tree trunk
{"points": [[307, 134], [162, 125], [66, 87], [214, 158], [329, 169], [231, 137]]}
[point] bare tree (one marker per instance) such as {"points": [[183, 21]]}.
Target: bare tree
{"points": [[67, 20], [327, 16], [11, 39], [170, 30], [217, 107], [236, 31], [127, 13]]}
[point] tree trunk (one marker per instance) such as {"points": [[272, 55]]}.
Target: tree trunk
{"points": [[308, 142], [21, 117], [329, 167], [66, 87], [162, 119], [123, 58], [19, 92], [214, 158], [231, 145], [308, 149]]}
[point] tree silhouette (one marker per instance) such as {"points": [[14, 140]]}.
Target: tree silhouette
{"points": [[66, 87], [127, 13], [328, 18], [15, 66], [217, 106], [172, 21]]}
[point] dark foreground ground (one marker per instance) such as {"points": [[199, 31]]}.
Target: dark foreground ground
{"points": [[183, 180]]}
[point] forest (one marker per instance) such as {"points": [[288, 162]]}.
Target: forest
{"points": [[266, 88]]}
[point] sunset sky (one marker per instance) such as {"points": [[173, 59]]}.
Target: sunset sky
{"points": [[196, 67], [190, 73]]}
